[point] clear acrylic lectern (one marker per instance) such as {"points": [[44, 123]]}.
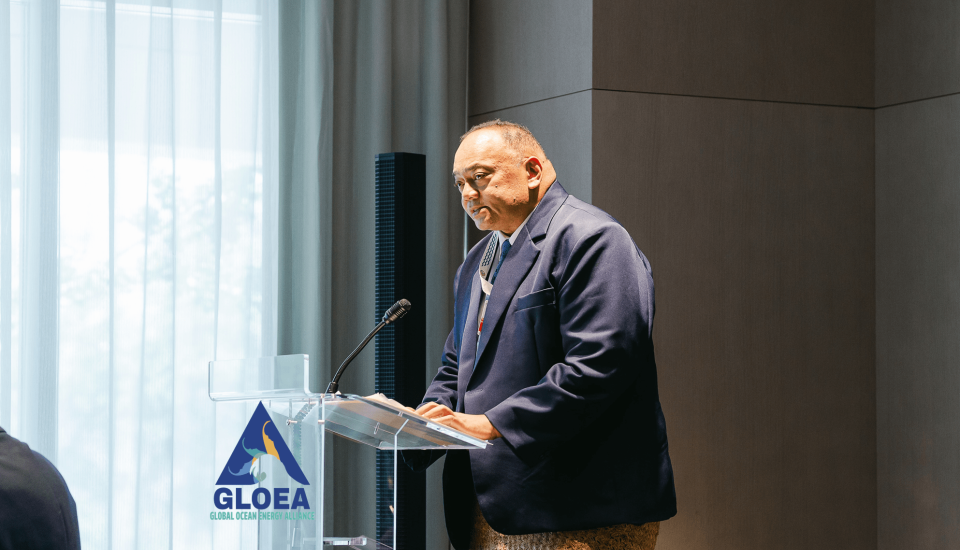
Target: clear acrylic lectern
{"points": [[246, 517]]}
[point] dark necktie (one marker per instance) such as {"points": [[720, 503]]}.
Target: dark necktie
{"points": [[504, 248]]}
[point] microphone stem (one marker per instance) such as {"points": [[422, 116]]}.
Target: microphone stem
{"points": [[335, 383]]}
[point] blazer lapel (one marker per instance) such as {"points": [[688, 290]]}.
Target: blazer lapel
{"points": [[468, 340], [518, 262], [515, 267]]}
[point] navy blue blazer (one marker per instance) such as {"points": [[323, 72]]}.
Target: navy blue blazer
{"points": [[565, 370]]}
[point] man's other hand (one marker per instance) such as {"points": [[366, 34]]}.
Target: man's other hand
{"points": [[476, 425]]}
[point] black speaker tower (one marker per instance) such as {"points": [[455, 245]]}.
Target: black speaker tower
{"points": [[401, 269]]}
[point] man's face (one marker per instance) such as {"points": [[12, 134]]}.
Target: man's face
{"points": [[493, 182]]}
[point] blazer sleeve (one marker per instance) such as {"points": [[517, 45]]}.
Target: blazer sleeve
{"points": [[606, 307], [443, 390]]}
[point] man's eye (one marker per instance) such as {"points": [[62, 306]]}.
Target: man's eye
{"points": [[459, 185], [479, 176]]}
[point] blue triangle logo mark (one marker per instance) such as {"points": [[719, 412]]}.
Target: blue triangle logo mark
{"points": [[259, 439]]}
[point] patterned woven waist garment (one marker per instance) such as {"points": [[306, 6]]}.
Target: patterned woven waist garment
{"points": [[614, 537]]}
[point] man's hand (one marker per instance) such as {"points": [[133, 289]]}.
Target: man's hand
{"points": [[476, 425]]}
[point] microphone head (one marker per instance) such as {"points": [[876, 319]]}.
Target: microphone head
{"points": [[397, 310]]}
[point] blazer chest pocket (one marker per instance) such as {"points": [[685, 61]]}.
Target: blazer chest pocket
{"points": [[539, 298]]}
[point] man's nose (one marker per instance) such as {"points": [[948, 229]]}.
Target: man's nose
{"points": [[468, 192]]}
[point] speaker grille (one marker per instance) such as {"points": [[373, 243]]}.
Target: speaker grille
{"points": [[400, 358]]}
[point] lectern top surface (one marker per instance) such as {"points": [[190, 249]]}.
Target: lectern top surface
{"points": [[384, 426]]}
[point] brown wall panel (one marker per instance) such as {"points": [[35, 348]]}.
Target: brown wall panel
{"points": [[758, 219], [527, 51], [918, 325], [918, 49], [818, 51]]}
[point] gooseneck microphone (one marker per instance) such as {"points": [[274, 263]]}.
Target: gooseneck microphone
{"points": [[395, 312]]}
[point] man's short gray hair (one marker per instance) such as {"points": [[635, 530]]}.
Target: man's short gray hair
{"points": [[517, 137]]}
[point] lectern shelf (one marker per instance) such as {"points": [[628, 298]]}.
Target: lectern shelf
{"points": [[303, 418]]}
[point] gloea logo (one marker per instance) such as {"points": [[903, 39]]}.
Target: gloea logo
{"points": [[260, 440]]}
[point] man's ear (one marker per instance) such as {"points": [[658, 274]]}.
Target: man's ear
{"points": [[534, 169]]}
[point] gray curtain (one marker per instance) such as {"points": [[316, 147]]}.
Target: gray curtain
{"points": [[360, 78]]}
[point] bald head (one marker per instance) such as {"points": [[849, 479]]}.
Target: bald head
{"points": [[517, 137], [502, 174]]}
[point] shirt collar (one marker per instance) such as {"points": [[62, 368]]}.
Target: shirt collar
{"points": [[513, 237]]}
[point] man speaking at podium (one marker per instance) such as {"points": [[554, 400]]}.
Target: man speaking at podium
{"points": [[550, 357]]}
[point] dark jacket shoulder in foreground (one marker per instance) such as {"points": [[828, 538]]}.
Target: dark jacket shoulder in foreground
{"points": [[36, 508]]}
